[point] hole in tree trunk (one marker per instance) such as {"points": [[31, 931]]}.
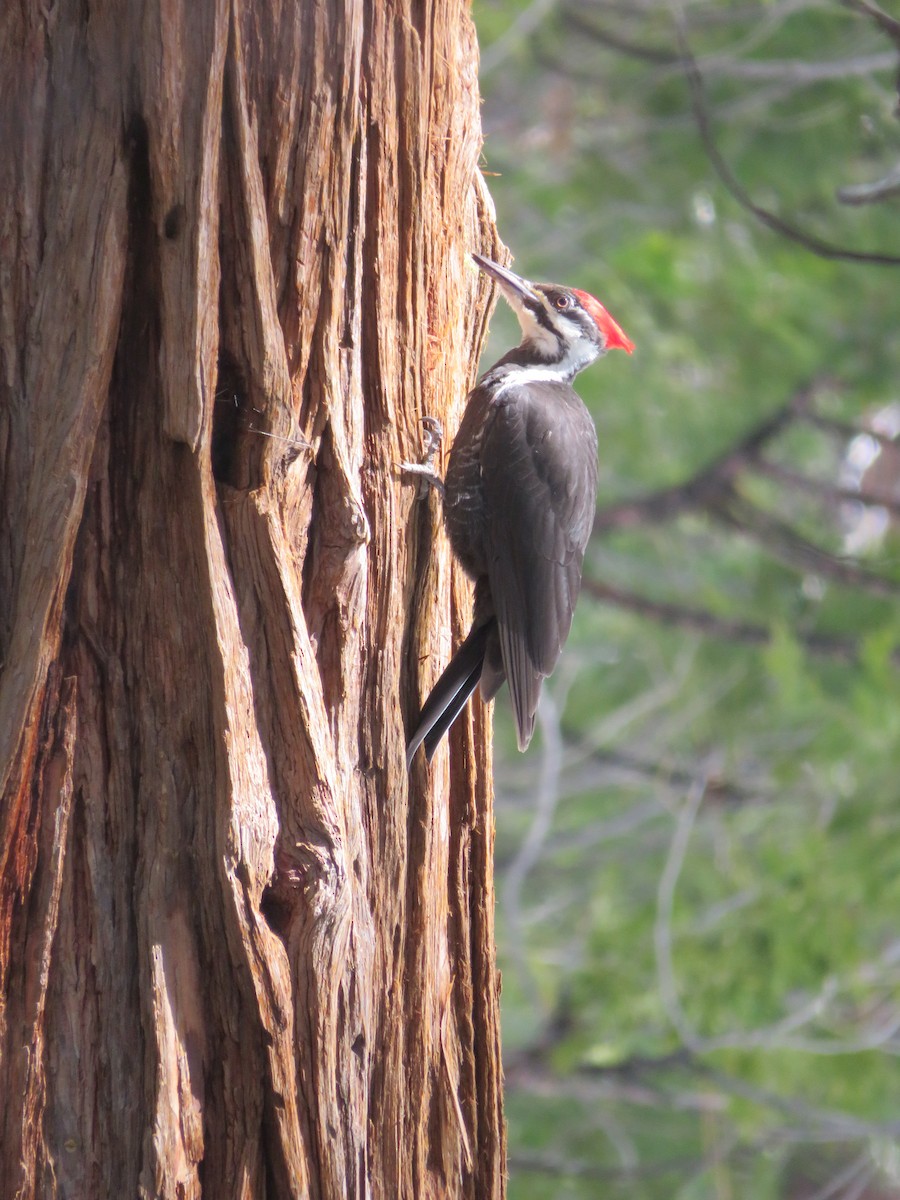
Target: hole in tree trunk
{"points": [[230, 418]]}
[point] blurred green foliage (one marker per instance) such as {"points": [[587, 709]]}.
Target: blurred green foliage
{"points": [[699, 894]]}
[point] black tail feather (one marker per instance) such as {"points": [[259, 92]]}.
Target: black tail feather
{"points": [[449, 695], [432, 738]]}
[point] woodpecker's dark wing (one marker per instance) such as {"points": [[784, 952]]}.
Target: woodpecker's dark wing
{"points": [[539, 475]]}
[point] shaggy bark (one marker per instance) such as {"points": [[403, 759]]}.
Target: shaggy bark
{"points": [[241, 952]]}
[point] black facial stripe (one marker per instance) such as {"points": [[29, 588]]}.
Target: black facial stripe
{"points": [[540, 314], [543, 319]]}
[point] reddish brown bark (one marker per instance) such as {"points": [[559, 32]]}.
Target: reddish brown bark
{"points": [[241, 953]]}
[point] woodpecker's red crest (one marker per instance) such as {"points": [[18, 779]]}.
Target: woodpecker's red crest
{"points": [[616, 338]]}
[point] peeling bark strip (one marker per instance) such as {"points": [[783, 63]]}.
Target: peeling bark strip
{"points": [[241, 953]]}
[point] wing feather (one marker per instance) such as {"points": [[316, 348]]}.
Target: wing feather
{"points": [[539, 475]]}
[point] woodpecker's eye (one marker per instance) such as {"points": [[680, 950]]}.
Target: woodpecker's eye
{"points": [[563, 302]]}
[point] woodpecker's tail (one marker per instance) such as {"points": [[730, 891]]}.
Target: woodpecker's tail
{"points": [[450, 693]]}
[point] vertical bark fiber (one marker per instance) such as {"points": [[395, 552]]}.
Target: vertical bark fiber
{"points": [[241, 952]]}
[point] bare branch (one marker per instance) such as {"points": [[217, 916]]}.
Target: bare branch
{"points": [[780, 1036], [845, 430], [849, 1183], [765, 216], [885, 22], [705, 487], [872, 193], [720, 791], [789, 547], [833, 1124], [712, 490], [559, 1165], [662, 930], [710, 624], [831, 493], [525, 24], [615, 41], [545, 803], [807, 1122], [796, 72]]}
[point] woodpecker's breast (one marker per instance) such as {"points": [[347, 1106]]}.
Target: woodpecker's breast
{"points": [[548, 450]]}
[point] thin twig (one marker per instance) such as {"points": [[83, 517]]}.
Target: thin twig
{"points": [[712, 490], [709, 624], [794, 71], [789, 547], [843, 429], [665, 903], [562, 1166], [885, 22], [706, 484], [794, 234], [722, 791], [871, 193], [531, 849], [829, 492]]}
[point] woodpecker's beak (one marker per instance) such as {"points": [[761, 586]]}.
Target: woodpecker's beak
{"points": [[518, 291]]}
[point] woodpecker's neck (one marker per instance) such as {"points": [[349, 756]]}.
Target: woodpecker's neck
{"points": [[540, 359]]}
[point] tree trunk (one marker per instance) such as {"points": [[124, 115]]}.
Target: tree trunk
{"points": [[241, 952]]}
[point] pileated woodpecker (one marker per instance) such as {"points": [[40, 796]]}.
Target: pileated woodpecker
{"points": [[519, 500]]}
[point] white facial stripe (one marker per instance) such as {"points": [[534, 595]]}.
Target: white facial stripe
{"points": [[545, 341], [522, 376], [537, 333]]}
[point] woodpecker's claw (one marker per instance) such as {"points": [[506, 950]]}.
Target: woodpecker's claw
{"points": [[432, 435]]}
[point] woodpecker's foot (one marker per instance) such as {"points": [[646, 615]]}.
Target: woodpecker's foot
{"points": [[429, 478], [432, 435]]}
